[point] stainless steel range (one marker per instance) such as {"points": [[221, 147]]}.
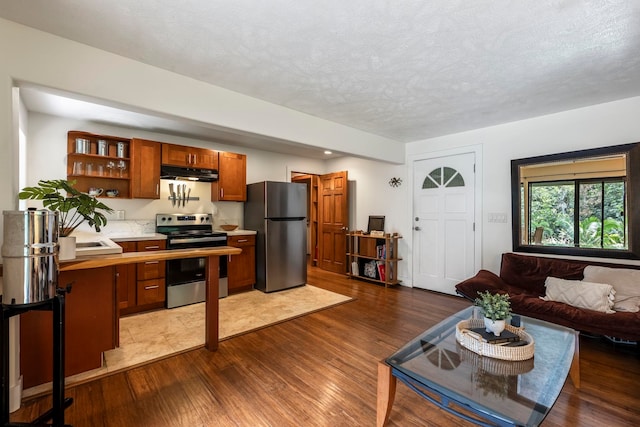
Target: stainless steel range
{"points": [[186, 277]]}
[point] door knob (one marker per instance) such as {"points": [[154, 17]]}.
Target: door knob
{"points": [[417, 228]]}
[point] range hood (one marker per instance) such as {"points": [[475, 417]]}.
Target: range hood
{"points": [[190, 174]]}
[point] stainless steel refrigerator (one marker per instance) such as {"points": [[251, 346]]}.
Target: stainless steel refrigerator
{"points": [[278, 213]]}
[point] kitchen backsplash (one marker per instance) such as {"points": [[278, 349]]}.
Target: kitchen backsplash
{"points": [[124, 228], [223, 213]]}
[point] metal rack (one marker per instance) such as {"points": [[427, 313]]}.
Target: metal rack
{"points": [[56, 413]]}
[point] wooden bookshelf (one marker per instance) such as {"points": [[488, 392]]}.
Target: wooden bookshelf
{"points": [[373, 258]]}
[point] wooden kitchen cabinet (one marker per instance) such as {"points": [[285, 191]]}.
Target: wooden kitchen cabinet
{"points": [[195, 157], [150, 270], [141, 286], [145, 168], [126, 281], [241, 269], [92, 167], [232, 178], [91, 327], [151, 289]]}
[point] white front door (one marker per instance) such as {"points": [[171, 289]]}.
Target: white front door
{"points": [[444, 204]]}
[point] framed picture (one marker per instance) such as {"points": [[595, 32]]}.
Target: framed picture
{"points": [[376, 223]]}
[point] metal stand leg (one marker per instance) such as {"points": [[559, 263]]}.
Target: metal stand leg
{"points": [[56, 413], [4, 355], [58, 360]]}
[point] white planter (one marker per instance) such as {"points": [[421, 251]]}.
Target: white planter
{"points": [[67, 248], [495, 326]]}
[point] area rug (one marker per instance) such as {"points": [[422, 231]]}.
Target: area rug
{"points": [[151, 336]]}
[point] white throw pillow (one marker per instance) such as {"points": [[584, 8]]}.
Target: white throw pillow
{"points": [[625, 281], [592, 296]]}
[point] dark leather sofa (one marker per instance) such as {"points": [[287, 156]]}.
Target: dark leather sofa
{"points": [[523, 278]]}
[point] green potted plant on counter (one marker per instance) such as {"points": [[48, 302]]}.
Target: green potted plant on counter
{"points": [[74, 207], [496, 308]]}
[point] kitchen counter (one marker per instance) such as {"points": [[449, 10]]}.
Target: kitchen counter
{"points": [[83, 263], [91, 243], [91, 311], [236, 232], [213, 254], [137, 237]]}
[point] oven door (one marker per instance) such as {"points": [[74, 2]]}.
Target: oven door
{"points": [[191, 270], [191, 242], [186, 281], [186, 270]]}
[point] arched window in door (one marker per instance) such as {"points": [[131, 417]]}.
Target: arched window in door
{"points": [[443, 177]]}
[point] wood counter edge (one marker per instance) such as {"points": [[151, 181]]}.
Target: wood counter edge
{"points": [[83, 263]]}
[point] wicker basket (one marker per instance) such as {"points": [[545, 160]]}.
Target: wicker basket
{"points": [[474, 342], [495, 366]]}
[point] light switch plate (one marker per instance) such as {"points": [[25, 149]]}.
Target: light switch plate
{"points": [[497, 217]]}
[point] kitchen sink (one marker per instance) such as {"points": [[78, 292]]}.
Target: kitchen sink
{"points": [[90, 245], [97, 247]]}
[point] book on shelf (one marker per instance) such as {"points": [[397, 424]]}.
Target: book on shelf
{"points": [[370, 270], [381, 272], [355, 270]]}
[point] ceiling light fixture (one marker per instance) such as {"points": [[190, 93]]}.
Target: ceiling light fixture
{"points": [[327, 152]]}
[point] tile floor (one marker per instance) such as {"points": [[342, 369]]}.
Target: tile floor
{"points": [[151, 336]]}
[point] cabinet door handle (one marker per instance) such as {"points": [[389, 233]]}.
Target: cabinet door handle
{"points": [[147, 288], [243, 240], [146, 248], [152, 262], [221, 193], [157, 189]]}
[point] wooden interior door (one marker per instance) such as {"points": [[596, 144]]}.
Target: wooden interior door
{"points": [[333, 209], [312, 213]]}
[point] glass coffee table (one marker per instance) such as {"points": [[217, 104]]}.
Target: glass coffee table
{"points": [[482, 390]]}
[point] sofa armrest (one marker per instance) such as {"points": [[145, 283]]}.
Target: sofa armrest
{"points": [[483, 281]]}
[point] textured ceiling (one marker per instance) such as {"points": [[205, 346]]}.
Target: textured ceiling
{"points": [[407, 70]]}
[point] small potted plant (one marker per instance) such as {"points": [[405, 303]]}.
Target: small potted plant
{"points": [[74, 207], [496, 308]]}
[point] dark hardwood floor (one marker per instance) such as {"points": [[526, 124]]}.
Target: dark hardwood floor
{"points": [[321, 370]]}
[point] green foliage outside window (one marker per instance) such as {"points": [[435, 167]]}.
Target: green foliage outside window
{"points": [[600, 214]]}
